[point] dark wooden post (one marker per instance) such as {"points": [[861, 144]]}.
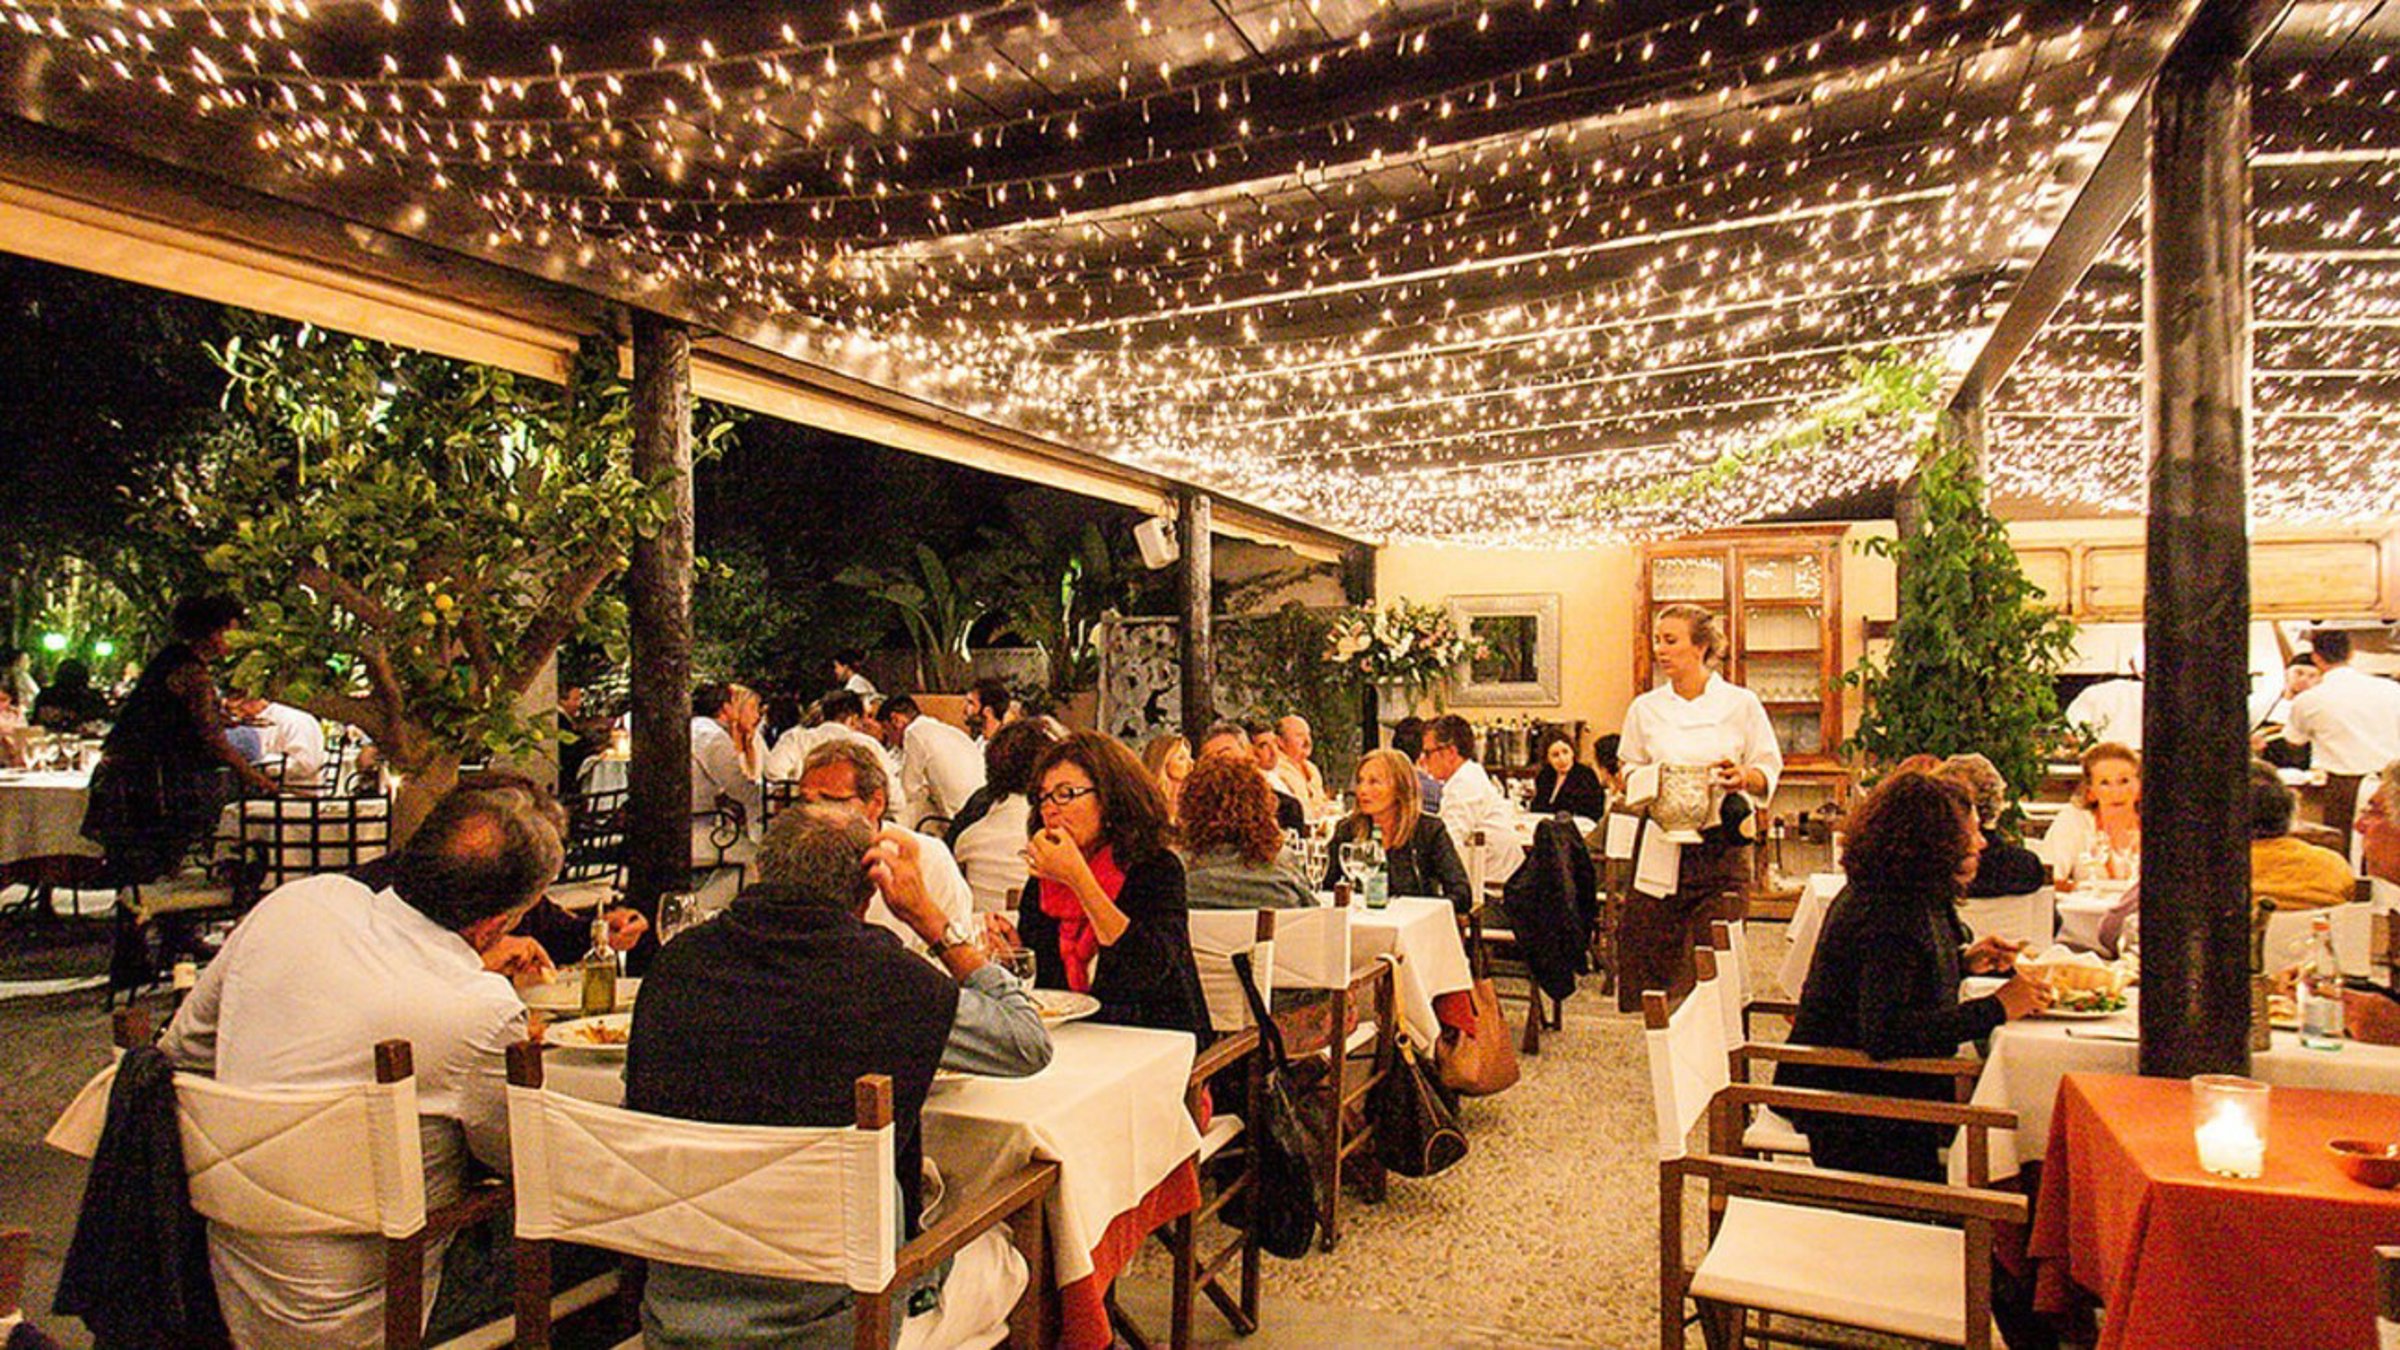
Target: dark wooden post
{"points": [[2196, 379], [658, 585], [1358, 588], [1198, 635]]}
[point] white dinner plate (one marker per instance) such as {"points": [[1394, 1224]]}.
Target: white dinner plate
{"points": [[584, 1035], [565, 995], [2077, 1014], [1060, 1006]]}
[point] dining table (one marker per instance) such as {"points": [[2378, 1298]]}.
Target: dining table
{"points": [[2177, 1257], [1108, 1109], [2026, 1061], [41, 814], [1430, 961]]}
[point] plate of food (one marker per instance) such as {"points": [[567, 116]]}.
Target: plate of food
{"points": [[2082, 986], [605, 1035], [565, 993], [1059, 1006]]}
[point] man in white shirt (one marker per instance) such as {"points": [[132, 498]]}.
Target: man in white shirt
{"points": [[846, 676], [2110, 711], [724, 718], [2352, 722], [940, 766], [324, 968], [1470, 802], [295, 737], [845, 774], [844, 718], [1299, 773]]}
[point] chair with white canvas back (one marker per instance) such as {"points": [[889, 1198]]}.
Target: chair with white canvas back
{"points": [[1720, 965], [318, 1162], [1785, 1239], [807, 1203], [1314, 969]]}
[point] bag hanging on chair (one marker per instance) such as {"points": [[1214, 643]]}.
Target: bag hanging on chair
{"points": [[1416, 1131], [1486, 1062], [1285, 1205]]}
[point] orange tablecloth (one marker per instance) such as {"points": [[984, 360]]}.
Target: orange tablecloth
{"points": [[2179, 1258], [1082, 1310]]}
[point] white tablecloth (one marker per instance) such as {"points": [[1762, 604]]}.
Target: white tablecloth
{"points": [[602, 773], [2028, 1057], [1423, 933], [1108, 1110], [41, 814], [1808, 916], [2080, 912]]}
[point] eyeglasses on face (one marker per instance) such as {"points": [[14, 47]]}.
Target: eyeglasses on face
{"points": [[1063, 796]]}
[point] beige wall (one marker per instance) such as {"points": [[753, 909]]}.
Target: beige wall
{"points": [[1597, 589]]}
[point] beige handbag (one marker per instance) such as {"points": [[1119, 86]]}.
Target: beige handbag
{"points": [[1486, 1062]]}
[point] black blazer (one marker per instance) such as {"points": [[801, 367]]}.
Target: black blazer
{"points": [[1426, 865], [2006, 869], [1578, 794], [1885, 981], [1147, 979]]}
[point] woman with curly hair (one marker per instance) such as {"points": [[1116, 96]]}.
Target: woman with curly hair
{"points": [[1104, 913], [1887, 971], [1232, 847]]}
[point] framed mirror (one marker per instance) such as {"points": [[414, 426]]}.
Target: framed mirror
{"points": [[1520, 661]]}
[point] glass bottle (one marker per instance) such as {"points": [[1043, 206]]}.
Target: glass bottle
{"points": [[2262, 980], [1379, 885], [2319, 989], [599, 972]]}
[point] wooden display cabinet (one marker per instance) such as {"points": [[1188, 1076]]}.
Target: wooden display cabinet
{"points": [[1777, 593]]}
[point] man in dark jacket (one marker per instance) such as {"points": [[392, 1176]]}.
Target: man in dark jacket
{"points": [[770, 1014]]}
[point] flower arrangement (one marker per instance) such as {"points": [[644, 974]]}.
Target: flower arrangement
{"points": [[1413, 644]]}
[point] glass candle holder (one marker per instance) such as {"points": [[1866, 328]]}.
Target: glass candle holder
{"points": [[2229, 1124]]}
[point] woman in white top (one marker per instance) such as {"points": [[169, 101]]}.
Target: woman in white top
{"points": [[1696, 717], [2099, 836]]}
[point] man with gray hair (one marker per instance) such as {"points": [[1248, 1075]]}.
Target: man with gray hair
{"points": [[770, 1014], [327, 966], [2005, 868], [849, 775]]}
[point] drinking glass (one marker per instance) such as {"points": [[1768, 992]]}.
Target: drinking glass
{"points": [[678, 912], [1357, 858]]}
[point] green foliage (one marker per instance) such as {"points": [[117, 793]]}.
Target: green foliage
{"points": [[1050, 584], [1272, 664], [1890, 385], [1975, 651], [940, 612], [415, 536]]}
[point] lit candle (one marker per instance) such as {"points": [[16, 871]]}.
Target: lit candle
{"points": [[2230, 1146]]}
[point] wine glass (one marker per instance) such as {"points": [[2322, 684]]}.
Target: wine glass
{"points": [[678, 912]]}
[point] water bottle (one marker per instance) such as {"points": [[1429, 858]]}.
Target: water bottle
{"points": [[2320, 989], [1379, 884]]}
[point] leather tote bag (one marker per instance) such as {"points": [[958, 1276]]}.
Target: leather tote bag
{"points": [[1486, 1062]]}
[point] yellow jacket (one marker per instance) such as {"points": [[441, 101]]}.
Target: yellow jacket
{"points": [[2297, 875]]}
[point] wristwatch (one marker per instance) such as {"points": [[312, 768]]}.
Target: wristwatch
{"points": [[956, 935]]}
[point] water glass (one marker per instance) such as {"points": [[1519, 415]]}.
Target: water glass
{"points": [[678, 912]]}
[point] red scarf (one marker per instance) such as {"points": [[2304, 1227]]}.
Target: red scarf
{"points": [[1078, 944]]}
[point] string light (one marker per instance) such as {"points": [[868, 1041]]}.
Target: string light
{"points": [[1463, 269]]}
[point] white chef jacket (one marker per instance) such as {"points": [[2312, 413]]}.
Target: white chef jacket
{"points": [[1726, 722], [2353, 720], [2113, 711], [310, 980]]}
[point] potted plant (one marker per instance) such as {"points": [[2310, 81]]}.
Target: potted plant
{"points": [[1406, 649], [1975, 650], [938, 608]]}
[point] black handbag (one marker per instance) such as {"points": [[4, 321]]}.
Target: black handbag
{"points": [[1285, 1207], [1416, 1129]]}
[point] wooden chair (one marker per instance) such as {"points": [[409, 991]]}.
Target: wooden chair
{"points": [[1900, 1258], [343, 1161], [1492, 950], [576, 1163], [1312, 951], [1218, 938]]}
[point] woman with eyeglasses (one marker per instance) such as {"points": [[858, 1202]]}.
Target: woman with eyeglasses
{"points": [[1104, 913]]}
